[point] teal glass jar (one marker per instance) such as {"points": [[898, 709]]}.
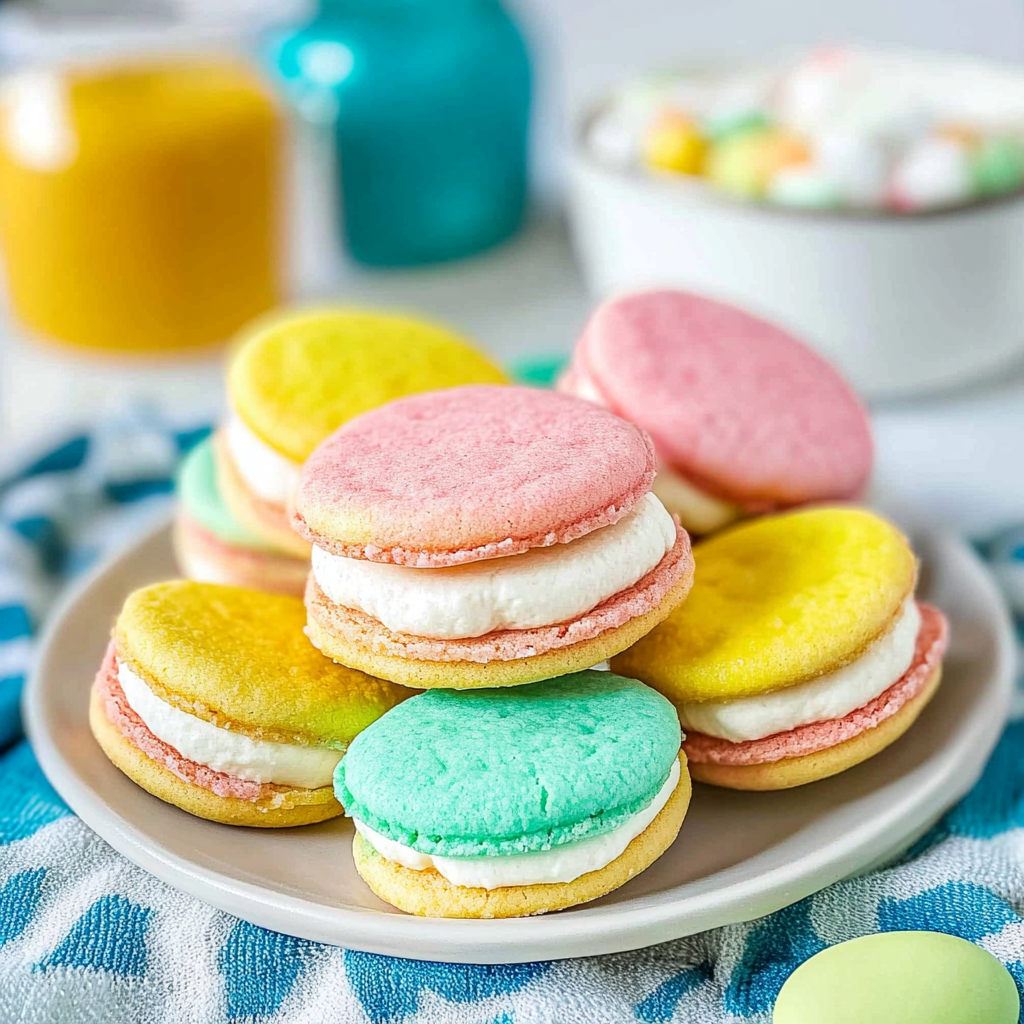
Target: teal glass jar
{"points": [[428, 102]]}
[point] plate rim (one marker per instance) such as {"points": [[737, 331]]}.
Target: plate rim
{"points": [[643, 921]]}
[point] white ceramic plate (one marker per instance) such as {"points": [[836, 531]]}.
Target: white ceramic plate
{"points": [[738, 856]]}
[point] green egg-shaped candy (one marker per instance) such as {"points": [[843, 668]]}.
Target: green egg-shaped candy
{"points": [[999, 166], [735, 165], [899, 978], [720, 127], [805, 190]]}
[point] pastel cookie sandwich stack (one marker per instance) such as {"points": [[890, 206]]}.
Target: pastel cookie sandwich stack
{"points": [[297, 378], [800, 652], [486, 536], [211, 545], [504, 803], [211, 698], [745, 418]]}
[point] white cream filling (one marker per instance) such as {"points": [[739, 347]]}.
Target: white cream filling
{"points": [[539, 587], [698, 511], [287, 764], [267, 473], [205, 570], [833, 695], [583, 387], [563, 863]]}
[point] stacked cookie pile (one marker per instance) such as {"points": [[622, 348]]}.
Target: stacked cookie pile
{"points": [[490, 545], [292, 380], [487, 537]]}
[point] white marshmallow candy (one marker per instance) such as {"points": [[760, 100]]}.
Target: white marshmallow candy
{"points": [[933, 173], [856, 162], [890, 111], [615, 136], [811, 94]]}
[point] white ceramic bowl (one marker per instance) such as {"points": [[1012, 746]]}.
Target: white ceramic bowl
{"points": [[902, 303]]}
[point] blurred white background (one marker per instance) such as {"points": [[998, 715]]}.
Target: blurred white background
{"points": [[957, 454]]}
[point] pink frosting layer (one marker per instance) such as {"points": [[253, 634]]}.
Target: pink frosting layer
{"points": [[134, 730], [210, 544], [734, 404], [808, 739], [257, 569], [469, 473], [509, 645]]}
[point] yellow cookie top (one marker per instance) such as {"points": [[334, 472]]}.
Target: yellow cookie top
{"points": [[300, 377], [777, 601], [240, 659]]}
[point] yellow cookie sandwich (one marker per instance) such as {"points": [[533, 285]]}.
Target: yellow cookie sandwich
{"points": [[800, 651], [211, 698]]}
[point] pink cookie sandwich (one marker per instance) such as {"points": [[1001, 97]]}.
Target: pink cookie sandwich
{"points": [[486, 536], [745, 418]]}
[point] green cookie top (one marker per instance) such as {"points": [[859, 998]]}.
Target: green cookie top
{"points": [[904, 977], [201, 500], [491, 772]]}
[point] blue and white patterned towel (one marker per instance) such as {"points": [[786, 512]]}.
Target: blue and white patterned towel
{"points": [[87, 936]]}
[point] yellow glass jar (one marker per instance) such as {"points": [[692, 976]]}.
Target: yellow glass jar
{"points": [[140, 203]]}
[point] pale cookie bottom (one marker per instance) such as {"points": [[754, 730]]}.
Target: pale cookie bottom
{"points": [[285, 808], [798, 771], [471, 675], [266, 520], [429, 894], [201, 556]]}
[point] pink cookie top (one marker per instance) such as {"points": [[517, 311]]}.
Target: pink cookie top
{"points": [[734, 404], [468, 473], [808, 739]]}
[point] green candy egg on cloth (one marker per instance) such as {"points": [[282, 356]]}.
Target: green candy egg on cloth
{"points": [[900, 978]]}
